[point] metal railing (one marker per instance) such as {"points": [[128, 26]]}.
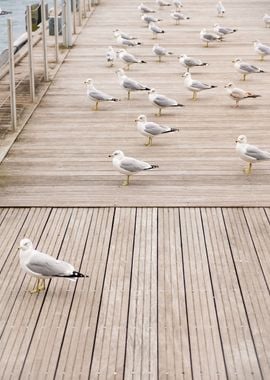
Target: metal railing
{"points": [[69, 20]]}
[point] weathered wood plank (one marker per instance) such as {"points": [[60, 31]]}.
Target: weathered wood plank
{"points": [[141, 347]]}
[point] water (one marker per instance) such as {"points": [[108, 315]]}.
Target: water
{"points": [[17, 7]]}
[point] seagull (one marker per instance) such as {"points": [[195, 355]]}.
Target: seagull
{"points": [[220, 9], [261, 49], [195, 85], [126, 36], [250, 153], [144, 9], [96, 95], [178, 4], [177, 16], [155, 29], [129, 165], [162, 101], [110, 56], [189, 62], [43, 266], [151, 129], [223, 30], [160, 52], [209, 37], [123, 41], [130, 84], [238, 94], [162, 3], [245, 68], [266, 20], [148, 18], [128, 58]]}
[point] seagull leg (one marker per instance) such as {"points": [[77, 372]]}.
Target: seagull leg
{"points": [[41, 285], [194, 96], [126, 182], [207, 44], [159, 112], [244, 76], [96, 106], [262, 57], [248, 169], [149, 142], [159, 58], [35, 288], [128, 95]]}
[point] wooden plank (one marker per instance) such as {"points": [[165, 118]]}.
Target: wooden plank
{"points": [[253, 287], [110, 341], [142, 349], [207, 357], [173, 331], [84, 314], [232, 318]]}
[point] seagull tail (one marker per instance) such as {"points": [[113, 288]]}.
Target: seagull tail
{"points": [[178, 105], [154, 167], [143, 61], [253, 96], [172, 130], [204, 64], [115, 100], [74, 275]]}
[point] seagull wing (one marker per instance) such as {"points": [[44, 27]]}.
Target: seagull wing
{"points": [[48, 266]]}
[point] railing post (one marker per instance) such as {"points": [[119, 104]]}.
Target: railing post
{"points": [[74, 15], [30, 53], [44, 41], [80, 13], [12, 76], [67, 23], [56, 31]]}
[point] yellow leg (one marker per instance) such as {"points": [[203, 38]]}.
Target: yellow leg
{"points": [[244, 76], [96, 107], [159, 58], [262, 57], [248, 169], [159, 112], [128, 95], [35, 288], [194, 96], [41, 285], [126, 182], [149, 142]]}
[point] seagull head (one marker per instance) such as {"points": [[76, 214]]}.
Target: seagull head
{"points": [[88, 81], [25, 244], [117, 153], [120, 72], [141, 118], [186, 75], [241, 139], [229, 85], [237, 60]]}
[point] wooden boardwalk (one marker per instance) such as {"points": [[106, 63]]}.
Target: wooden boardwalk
{"points": [[69, 144], [178, 284], [172, 293]]}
